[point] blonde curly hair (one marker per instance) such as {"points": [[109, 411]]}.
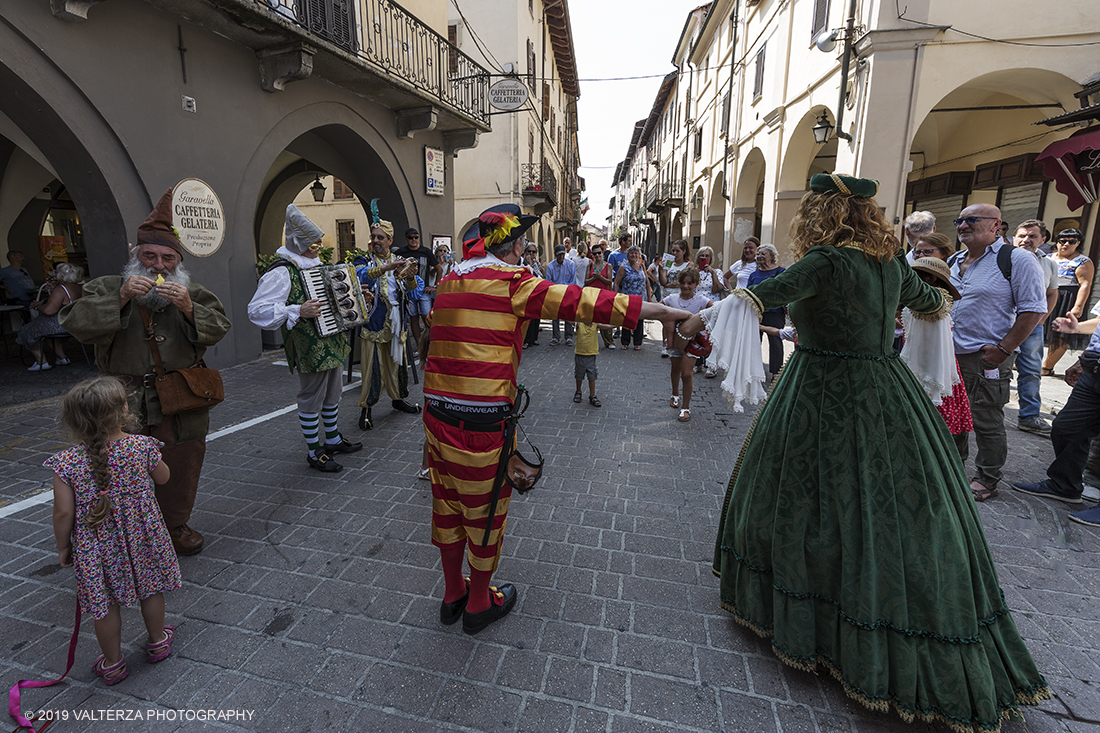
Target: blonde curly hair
{"points": [[835, 219]]}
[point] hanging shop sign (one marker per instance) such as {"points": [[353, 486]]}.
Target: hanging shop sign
{"points": [[508, 95], [198, 216], [434, 171]]}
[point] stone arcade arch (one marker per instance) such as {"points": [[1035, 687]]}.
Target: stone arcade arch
{"points": [[45, 116], [716, 221], [296, 149], [695, 226], [959, 143], [748, 197], [804, 157]]}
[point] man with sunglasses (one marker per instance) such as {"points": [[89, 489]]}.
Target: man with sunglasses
{"points": [[430, 269], [999, 308]]}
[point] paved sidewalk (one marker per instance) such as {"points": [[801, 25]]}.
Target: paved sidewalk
{"points": [[315, 603]]}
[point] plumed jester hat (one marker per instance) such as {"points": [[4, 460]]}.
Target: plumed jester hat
{"points": [[377, 222], [300, 233], [847, 185], [498, 225]]}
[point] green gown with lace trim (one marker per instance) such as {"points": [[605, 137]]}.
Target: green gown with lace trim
{"points": [[849, 536]]}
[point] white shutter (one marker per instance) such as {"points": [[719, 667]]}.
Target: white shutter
{"points": [[1019, 203], [945, 209]]}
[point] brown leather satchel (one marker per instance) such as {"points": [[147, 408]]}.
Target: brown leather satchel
{"points": [[182, 390]]}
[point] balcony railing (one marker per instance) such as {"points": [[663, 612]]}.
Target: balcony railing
{"points": [[386, 36], [672, 193], [539, 178], [651, 196]]}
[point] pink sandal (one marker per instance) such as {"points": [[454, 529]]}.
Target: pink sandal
{"points": [[111, 675], [160, 650]]}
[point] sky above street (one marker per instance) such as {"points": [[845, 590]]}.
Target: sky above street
{"points": [[618, 38]]}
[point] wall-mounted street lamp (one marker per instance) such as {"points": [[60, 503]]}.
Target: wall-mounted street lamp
{"points": [[822, 129], [826, 42], [318, 190]]}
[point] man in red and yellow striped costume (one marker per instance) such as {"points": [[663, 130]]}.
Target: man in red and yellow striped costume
{"points": [[481, 310]]}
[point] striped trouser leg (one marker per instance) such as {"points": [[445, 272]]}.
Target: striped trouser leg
{"points": [[463, 466]]}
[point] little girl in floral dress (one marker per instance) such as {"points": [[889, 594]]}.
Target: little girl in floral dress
{"points": [[107, 523]]}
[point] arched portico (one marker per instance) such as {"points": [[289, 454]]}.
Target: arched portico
{"points": [[748, 197], [716, 220], [803, 158], [977, 143], [46, 118]]}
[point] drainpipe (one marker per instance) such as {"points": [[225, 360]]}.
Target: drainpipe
{"points": [[845, 61], [729, 92], [903, 175]]}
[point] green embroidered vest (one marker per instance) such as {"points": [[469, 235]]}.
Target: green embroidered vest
{"points": [[304, 347]]}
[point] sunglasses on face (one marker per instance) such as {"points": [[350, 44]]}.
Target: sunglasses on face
{"points": [[970, 220], [1067, 241]]}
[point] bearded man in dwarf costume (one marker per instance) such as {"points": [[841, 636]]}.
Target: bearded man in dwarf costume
{"points": [[186, 319], [481, 313], [383, 362], [280, 302]]}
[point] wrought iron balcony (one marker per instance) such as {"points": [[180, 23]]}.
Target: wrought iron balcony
{"points": [[651, 196], [539, 178], [672, 193], [375, 48], [388, 37]]}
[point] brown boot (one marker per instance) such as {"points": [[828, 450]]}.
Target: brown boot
{"points": [[185, 540]]}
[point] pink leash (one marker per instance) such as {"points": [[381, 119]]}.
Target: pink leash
{"points": [[13, 695]]}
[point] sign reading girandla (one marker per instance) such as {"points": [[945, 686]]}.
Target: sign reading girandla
{"points": [[198, 216], [508, 95]]}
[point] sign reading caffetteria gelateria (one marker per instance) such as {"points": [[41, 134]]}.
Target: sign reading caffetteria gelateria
{"points": [[198, 216], [508, 94]]}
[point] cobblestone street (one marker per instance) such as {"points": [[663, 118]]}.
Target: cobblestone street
{"points": [[315, 602]]}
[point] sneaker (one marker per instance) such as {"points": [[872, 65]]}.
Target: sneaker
{"points": [[611, 346], [1090, 493], [1091, 517], [569, 342], [664, 353], [1044, 490], [554, 342], [62, 362], [36, 367], [1036, 425]]}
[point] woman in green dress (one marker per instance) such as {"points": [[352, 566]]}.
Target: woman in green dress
{"points": [[848, 535]]}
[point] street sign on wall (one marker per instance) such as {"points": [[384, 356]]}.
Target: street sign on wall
{"points": [[434, 171]]}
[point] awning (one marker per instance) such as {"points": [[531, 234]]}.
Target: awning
{"points": [[1074, 164]]}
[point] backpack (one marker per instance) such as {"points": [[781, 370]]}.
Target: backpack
{"points": [[1004, 260]]}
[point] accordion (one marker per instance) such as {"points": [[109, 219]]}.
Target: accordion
{"points": [[342, 304]]}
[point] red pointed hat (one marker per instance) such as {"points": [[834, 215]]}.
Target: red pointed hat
{"points": [[157, 227]]}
